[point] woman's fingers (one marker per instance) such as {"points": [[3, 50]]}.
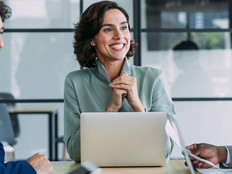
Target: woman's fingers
{"points": [[129, 84], [124, 78], [118, 96]]}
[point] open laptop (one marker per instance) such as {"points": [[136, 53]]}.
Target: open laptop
{"points": [[123, 138]]}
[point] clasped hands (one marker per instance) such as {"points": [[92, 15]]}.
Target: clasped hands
{"points": [[125, 86]]}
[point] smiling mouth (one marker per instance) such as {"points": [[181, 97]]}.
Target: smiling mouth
{"points": [[118, 46]]}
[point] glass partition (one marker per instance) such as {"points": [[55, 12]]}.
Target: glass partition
{"points": [[34, 65], [43, 13]]}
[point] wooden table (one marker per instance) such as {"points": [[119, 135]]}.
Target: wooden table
{"points": [[172, 167], [52, 113]]}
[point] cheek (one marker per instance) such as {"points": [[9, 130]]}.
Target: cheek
{"points": [[128, 37], [129, 40], [101, 41], [100, 45]]}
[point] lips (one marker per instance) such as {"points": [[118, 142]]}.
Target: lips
{"points": [[117, 46]]}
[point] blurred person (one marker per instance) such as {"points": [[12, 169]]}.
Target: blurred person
{"points": [[108, 82], [37, 163]]}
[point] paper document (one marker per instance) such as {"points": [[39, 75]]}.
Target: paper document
{"points": [[215, 171]]}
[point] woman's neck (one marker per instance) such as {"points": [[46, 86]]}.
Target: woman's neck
{"points": [[113, 69]]}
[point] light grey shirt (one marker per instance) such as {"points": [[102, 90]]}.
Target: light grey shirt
{"points": [[88, 90], [228, 163]]}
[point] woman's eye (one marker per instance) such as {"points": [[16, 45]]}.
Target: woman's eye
{"points": [[124, 27], [107, 29]]}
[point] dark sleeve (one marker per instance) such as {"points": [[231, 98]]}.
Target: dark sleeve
{"points": [[17, 167], [2, 154], [14, 167]]}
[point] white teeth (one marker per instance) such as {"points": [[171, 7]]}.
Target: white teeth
{"points": [[119, 46]]}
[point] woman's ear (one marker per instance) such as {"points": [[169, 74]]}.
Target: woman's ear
{"points": [[92, 42]]}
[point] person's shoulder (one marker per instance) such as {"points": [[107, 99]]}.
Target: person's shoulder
{"points": [[78, 74]]}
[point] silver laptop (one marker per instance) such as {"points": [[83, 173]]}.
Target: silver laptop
{"points": [[123, 138]]}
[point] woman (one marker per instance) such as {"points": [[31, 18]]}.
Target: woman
{"points": [[108, 83]]}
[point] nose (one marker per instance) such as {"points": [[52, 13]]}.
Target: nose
{"points": [[118, 34], [1, 42]]}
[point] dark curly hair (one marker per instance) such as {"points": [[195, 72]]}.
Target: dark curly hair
{"points": [[90, 23], [5, 11]]}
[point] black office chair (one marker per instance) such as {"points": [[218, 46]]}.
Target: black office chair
{"points": [[13, 117], [6, 129]]}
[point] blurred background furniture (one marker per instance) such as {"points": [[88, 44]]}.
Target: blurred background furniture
{"points": [[6, 129], [7, 133], [60, 140], [13, 116], [52, 114]]}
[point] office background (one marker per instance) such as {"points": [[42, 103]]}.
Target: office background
{"points": [[38, 54]]}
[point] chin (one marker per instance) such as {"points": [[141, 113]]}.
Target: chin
{"points": [[119, 58]]}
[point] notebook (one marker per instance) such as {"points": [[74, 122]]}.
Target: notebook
{"points": [[123, 138]]}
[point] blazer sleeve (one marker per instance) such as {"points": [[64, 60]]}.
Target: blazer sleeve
{"points": [[14, 167]]}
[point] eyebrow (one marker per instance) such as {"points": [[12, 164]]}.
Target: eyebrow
{"points": [[124, 22]]}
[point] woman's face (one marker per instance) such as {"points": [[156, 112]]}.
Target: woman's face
{"points": [[112, 42]]}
